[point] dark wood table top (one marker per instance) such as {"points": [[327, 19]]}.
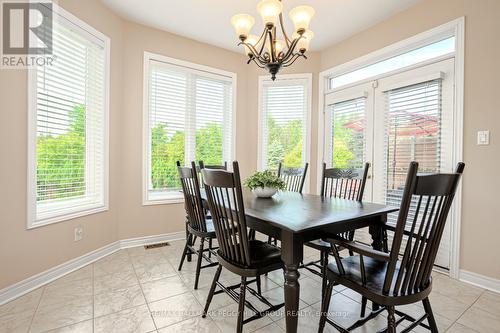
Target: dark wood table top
{"points": [[304, 212]]}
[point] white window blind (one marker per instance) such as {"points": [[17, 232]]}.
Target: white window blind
{"points": [[189, 119], [70, 115], [413, 133], [347, 144], [284, 111]]}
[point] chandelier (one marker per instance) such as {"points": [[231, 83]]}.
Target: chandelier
{"points": [[269, 51]]}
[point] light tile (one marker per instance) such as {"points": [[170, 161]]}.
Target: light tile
{"points": [[446, 306], [117, 265], [115, 281], [149, 260], [342, 310], [117, 300], [82, 327], [57, 315], [141, 251], [480, 320], [84, 273], [174, 309], [273, 328], [27, 302], [16, 322], [310, 291], [218, 301], [226, 319], [193, 325], [308, 322], [164, 288], [459, 328], [134, 320], [489, 301], [455, 289], [56, 293], [155, 272]]}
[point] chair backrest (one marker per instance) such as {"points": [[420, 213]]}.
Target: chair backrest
{"points": [[216, 167], [432, 196], [192, 197], [293, 177], [344, 183], [225, 200]]}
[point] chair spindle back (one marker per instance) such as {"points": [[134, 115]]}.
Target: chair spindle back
{"points": [[344, 183], [225, 200], [293, 177], [422, 230], [192, 197]]}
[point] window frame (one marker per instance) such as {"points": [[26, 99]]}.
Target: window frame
{"points": [[210, 71], [79, 207], [289, 79]]}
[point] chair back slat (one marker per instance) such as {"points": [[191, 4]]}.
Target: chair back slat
{"points": [[192, 197], [294, 178], [418, 236], [225, 200]]}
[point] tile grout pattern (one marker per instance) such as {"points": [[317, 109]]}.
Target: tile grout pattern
{"points": [[138, 290]]}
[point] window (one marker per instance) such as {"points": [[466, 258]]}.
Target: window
{"points": [[430, 51], [284, 121], [188, 117], [68, 125]]}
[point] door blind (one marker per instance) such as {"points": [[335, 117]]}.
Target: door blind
{"points": [[413, 133], [190, 119], [347, 144], [70, 124], [284, 115]]}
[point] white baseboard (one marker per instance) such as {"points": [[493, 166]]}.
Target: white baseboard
{"points": [[141, 241], [480, 280], [36, 281]]}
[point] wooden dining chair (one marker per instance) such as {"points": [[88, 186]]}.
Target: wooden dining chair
{"points": [[237, 252], [294, 179], [402, 276], [340, 183], [198, 226]]}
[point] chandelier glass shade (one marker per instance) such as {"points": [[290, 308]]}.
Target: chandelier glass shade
{"points": [[274, 49]]}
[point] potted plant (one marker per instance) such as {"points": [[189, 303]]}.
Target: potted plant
{"points": [[264, 184]]}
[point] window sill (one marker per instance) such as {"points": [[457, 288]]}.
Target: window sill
{"points": [[163, 201], [68, 216]]}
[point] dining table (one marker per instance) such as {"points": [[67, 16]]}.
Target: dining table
{"points": [[296, 219]]}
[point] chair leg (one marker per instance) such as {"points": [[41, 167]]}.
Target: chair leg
{"points": [[269, 239], [241, 305], [185, 252], [391, 320], [325, 305], [212, 290], [259, 285], [428, 310], [363, 306], [324, 265], [210, 247], [198, 264]]}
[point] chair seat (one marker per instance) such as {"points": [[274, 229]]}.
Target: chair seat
{"points": [[210, 233], [375, 271]]}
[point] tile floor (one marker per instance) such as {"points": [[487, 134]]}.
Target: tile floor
{"points": [[138, 290]]}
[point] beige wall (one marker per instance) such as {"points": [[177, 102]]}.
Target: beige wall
{"points": [[480, 247], [24, 253]]}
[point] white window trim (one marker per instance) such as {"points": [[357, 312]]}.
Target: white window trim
{"points": [[148, 56], [67, 214], [307, 141], [453, 28]]}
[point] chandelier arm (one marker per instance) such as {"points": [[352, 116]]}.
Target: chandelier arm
{"points": [[295, 57], [273, 56], [287, 40], [289, 53], [257, 63], [264, 34]]}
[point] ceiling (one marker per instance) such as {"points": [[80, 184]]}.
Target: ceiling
{"points": [[208, 20]]}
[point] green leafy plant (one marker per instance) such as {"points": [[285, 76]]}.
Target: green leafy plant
{"points": [[265, 179]]}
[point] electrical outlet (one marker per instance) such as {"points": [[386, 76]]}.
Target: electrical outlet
{"points": [[78, 233]]}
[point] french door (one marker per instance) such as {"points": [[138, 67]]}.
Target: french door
{"points": [[389, 122]]}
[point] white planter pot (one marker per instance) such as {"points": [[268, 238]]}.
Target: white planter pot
{"points": [[264, 192]]}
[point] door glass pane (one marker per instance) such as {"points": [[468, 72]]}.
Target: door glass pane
{"points": [[347, 144], [413, 134]]}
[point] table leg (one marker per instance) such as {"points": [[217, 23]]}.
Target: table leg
{"points": [[376, 231], [291, 254]]}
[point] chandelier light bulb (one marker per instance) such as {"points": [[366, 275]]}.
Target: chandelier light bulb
{"points": [[242, 24], [252, 40], [301, 17], [269, 11], [303, 43]]}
